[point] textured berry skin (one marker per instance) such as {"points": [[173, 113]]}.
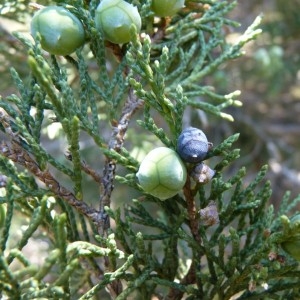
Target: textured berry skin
{"points": [[192, 145], [292, 246], [61, 31], [166, 8], [162, 173], [114, 18]]}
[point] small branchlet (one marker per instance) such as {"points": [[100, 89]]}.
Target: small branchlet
{"points": [[15, 153]]}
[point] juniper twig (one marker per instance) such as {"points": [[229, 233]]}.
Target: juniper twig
{"points": [[16, 153], [116, 142]]}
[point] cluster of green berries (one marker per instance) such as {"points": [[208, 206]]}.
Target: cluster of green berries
{"points": [[61, 32]]}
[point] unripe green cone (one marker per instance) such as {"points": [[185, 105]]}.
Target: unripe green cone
{"points": [[114, 18], [162, 173], [166, 8], [61, 31], [2, 214], [292, 245]]}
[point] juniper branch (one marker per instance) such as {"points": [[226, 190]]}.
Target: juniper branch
{"points": [[116, 142], [17, 154]]}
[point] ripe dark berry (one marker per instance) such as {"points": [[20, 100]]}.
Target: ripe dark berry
{"points": [[192, 145]]}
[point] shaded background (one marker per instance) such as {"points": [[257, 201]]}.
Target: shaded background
{"points": [[268, 76]]}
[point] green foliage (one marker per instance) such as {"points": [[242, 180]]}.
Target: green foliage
{"points": [[214, 241]]}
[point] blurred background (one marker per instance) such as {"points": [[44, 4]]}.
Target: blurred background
{"points": [[268, 76]]}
